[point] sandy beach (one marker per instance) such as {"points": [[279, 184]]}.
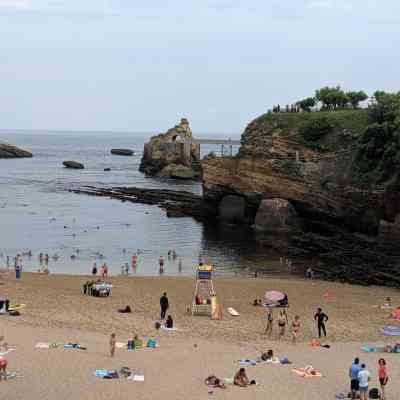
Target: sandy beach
{"points": [[56, 310]]}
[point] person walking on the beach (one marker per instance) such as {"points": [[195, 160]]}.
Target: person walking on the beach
{"points": [[282, 321], [94, 269], [383, 376], [18, 270], [364, 377], [295, 328], [112, 343], [270, 322], [353, 375], [321, 318], [164, 304]]}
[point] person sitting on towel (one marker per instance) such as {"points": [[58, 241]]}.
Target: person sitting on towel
{"points": [[169, 323], [241, 378], [127, 309], [268, 356]]}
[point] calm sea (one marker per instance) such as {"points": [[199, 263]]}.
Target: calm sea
{"points": [[38, 213]]}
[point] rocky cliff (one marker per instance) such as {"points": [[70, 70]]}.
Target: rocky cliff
{"points": [[171, 154], [287, 182], [10, 151]]}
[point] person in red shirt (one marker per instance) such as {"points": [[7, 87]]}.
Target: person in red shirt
{"points": [[383, 376]]}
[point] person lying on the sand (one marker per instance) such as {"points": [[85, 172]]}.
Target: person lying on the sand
{"points": [[241, 378], [214, 382]]}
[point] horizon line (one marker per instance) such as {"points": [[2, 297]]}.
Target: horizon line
{"points": [[91, 131]]}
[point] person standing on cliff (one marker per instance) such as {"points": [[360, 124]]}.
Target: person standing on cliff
{"points": [[164, 305], [321, 318]]}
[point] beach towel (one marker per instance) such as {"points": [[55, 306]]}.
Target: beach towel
{"points": [[121, 345], [368, 349], [74, 346], [164, 328], [390, 330], [136, 378], [248, 362], [46, 345], [307, 372], [2, 354], [106, 374]]}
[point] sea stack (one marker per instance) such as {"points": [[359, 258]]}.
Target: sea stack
{"points": [[172, 154]]}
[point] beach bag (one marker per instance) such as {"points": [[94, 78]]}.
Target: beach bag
{"points": [[151, 344], [374, 393]]}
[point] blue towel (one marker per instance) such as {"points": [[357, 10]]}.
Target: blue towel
{"points": [[390, 330]]}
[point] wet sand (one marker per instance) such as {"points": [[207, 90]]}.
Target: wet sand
{"points": [[58, 311]]}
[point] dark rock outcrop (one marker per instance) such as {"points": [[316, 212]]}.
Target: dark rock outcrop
{"points": [[175, 203], [73, 164], [277, 216], [231, 209], [10, 151], [171, 154], [122, 152]]}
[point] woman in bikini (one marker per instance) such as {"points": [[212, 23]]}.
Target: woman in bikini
{"points": [[295, 328], [270, 322], [282, 321]]}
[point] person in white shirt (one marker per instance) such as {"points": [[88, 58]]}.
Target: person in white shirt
{"points": [[364, 377]]}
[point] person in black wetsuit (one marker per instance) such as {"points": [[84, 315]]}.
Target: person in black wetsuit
{"points": [[321, 318], [164, 304]]}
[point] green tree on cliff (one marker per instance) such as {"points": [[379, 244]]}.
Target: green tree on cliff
{"points": [[378, 156], [331, 97], [306, 104], [355, 98]]}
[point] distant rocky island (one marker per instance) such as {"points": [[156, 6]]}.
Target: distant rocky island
{"points": [[10, 151]]}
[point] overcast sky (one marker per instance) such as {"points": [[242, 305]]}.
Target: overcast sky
{"points": [[139, 65]]}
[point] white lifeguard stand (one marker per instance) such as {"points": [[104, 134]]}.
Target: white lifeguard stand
{"points": [[204, 295]]}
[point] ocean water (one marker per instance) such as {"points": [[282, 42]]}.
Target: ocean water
{"points": [[38, 213]]}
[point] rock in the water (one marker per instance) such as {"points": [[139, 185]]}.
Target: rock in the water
{"points": [[276, 215], [107, 169], [10, 151], [122, 152], [178, 172], [171, 148], [73, 164], [232, 208]]}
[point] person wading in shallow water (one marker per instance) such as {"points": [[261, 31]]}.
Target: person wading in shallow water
{"points": [[164, 304]]}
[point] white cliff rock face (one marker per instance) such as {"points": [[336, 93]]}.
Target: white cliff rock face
{"points": [[10, 151], [165, 152]]}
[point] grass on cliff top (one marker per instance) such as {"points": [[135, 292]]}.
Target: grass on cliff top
{"points": [[354, 121]]}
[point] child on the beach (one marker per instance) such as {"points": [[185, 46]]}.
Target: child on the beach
{"points": [[113, 342], [295, 328]]}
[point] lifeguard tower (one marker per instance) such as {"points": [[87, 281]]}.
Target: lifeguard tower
{"points": [[204, 299]]}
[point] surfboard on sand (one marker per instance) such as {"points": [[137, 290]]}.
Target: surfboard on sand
{"points": [[16, 307], [233, 312]]}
